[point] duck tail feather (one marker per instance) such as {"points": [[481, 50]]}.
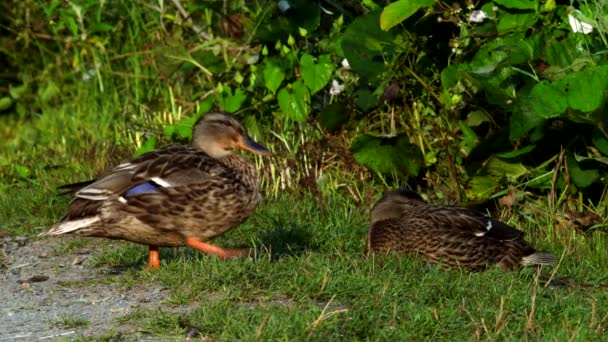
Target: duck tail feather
{"points": [[73, 187], [71, 226], [539, 258]]}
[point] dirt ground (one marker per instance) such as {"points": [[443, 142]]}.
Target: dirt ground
{"points": [[41, 298]]}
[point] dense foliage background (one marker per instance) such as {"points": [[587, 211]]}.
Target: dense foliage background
{"points": [[499, 104], [463, 101]]}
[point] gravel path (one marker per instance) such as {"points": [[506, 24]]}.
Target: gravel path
{"points": [[41, 299]]}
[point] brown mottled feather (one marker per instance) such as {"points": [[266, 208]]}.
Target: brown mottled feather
{"points": [[198, 195], [457, 237]]}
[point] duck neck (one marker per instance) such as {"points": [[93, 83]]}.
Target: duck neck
{"points": [[244, 170]]}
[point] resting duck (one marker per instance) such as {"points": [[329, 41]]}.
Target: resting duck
{"points": [[173, 196], [403, 222]]}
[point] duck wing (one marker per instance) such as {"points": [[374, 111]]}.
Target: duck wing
{"points": [[474, 222], [166, 168]]}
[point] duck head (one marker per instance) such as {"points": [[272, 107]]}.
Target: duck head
{"points": [[393, 203], [218, 134]]}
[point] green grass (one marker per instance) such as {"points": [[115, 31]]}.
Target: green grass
{"points": [[310, 279]]}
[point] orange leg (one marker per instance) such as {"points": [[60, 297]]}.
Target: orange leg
{"points": [[215, 250], [153, 258]]}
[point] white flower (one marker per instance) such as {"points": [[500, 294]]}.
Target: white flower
{"points": [[579, 26], [345, 64], [336, 88], [283, 5], [478, 16]]}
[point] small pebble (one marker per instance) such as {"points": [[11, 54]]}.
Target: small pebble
{"points": [[26, 286], [21, 241]]}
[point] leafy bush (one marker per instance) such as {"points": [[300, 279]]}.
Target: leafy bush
{"points": [[471, 98]]}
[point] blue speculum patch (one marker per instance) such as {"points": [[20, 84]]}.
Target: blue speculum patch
{"points": [[142, 188]]}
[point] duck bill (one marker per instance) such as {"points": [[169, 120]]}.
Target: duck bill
{"points": [[250, 145]]}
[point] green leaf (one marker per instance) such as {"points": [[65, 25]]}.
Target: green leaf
{"points": [[547, 101], [515, 22], [182, 129], [518, 4], [581, 177], [18, 91], [229, 102], [449, 77], [523, 119], [476, 118], [561, 52], [366, 47], [498, 167], [387, 155], [333, 116], [6, 103], [273, 76], [581, 91], [316, 75], [205, 105], [400, 10], [585, 89], [294, 101], [481, 187], [516, 153], [541, 181], [149, 145], [470, 139], [600, 141], [365, 99]]}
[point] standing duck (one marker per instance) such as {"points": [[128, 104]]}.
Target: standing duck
{"points": [[403, 222], [173, 196]]}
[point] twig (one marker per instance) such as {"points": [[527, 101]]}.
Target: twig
{"points": [[530, 322], [555, 269], [323, 315], [187, 17]]}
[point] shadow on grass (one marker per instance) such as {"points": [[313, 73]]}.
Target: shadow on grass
{"points": [[282, 241]]}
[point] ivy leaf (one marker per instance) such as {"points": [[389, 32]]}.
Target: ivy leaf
{"points": [[515, 22], [366, 46], [294, 101], [316, 75], [523, 119], [518, 4], [273, 76], [148, 145], [581, 177], [182, 129], [230, 102], [481, 187], [333, 116], [393, 14], [365, 99], [600, 141], [585, 89], [547, 101], [498, 167], [386, 155]]}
